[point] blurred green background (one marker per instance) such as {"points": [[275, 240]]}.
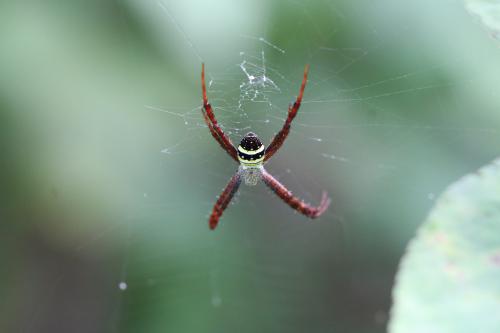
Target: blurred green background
{"points": [[108, 173]]}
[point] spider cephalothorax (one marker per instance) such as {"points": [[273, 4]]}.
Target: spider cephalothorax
{"points": [[251, 154]]}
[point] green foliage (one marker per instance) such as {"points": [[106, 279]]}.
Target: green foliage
{"points": [[488, 12], [449, 279]]}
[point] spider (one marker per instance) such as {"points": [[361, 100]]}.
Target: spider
{"points": [[251, 156]]}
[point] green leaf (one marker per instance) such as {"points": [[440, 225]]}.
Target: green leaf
{"points": [[449, 278], [488, 13]]}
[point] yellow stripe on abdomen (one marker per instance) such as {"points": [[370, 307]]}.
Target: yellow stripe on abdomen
{"points": [[250, 152]]}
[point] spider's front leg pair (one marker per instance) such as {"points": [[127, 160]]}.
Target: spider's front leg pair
{"points": [[251, 154]]}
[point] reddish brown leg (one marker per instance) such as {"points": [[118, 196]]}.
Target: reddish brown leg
{"points": [[212, 124], [224, 200], [294, 202], [280, 137], [213, 132]]}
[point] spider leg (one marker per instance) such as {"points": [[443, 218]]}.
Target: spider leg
{"points": [[224, 199], [280, 137], [214, 133], [294, 202], [209, 117]]}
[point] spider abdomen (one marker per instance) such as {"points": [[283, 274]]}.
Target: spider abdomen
{"points": [[251, 151]]}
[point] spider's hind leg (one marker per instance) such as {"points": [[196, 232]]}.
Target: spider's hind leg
{"points": [[294, 202], [224, 199]]}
